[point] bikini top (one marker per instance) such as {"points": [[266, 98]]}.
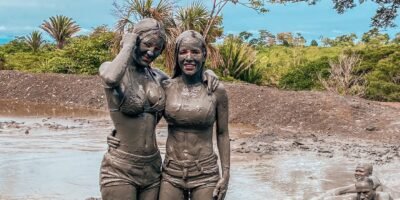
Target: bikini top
{"points": [[136, 98], [188, 105]]}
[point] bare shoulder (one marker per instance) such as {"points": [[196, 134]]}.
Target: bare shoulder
{"points": [[220, 93]]}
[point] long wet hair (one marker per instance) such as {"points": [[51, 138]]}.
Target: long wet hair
{"points": [[149, 26], [188, 34]]}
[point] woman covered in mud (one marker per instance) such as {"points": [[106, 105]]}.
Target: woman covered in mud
{"points": [[190, 168], [136, 100]]}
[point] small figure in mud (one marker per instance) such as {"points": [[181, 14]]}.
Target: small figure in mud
{"points": [[363, 170], [365, 191]]}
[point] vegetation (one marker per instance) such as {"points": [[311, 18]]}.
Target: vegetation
{"points": [[83, 54], [366, 66], [239, 60], [60, 29], [34, 40]]}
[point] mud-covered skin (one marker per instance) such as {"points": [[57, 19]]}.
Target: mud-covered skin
{"points": [[363, 171], [191, 112], [135, 99], [365, 191]]}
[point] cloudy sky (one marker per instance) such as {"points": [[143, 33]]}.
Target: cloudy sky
{"points": [[20, 17]]}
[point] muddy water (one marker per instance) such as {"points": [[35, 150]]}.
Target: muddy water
{"points": [[48, 152]]}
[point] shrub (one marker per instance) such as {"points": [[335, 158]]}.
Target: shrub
{"points": [[239, 61], [305, 77], [384, 79], [342, 79], [88, 52]]}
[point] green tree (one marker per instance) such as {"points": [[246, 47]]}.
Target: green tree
{"points": [[314, 43], [374, 37], [34, 40], [285, 38], [266, 38], [299, 40], [60, 28], [385, 14], [244, 35], [396, 39]]}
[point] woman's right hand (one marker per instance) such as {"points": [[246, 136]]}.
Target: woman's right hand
{"points": [[129, 40], [112, 141]]}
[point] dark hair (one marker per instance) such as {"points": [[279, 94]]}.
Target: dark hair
{"points": [[192, 34]]}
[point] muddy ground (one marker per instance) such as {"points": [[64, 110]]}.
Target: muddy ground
{"points": [[273, 121]]}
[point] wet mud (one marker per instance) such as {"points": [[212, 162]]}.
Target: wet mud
{"points": [[50, 152]]}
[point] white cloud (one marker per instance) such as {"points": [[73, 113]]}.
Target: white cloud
{"points": [[3, 28]]}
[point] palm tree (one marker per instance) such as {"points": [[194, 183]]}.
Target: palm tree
{"points": [[60, 28], [34, 40]]}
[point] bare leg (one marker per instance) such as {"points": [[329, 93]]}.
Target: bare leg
{"points": [[149, 194], [119, 192], [202, 193], [170, 192]]}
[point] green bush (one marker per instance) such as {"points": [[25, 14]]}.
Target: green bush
{"points": [[81, 55], [306, 77], [278, 60], [88, 52], [24, 61], [15, 46], [58, 65], [371, 56], [384, 79]]}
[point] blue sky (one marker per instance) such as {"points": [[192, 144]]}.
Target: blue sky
{"points": [[20, 17]]}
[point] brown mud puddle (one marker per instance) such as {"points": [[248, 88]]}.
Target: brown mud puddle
{"points": [[48, 152]]}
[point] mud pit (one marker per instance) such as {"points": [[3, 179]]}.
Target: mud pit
{"points": [[51, 152]]}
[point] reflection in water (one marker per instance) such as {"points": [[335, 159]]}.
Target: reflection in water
{"points": [[60, 159]]}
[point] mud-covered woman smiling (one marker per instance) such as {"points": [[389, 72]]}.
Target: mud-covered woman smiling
{"points": [[190, 167]]}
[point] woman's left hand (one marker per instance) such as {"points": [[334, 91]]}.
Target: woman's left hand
{"points": [[221, 188], [212, 80]]}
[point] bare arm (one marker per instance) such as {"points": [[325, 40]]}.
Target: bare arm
{"points": [[112, 72], [223, 142]]}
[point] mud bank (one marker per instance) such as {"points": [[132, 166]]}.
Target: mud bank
{"points": [[274, 111]]}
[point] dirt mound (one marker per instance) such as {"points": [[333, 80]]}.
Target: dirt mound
{"points": [[274, 111], [59, 89], [295, 112]]}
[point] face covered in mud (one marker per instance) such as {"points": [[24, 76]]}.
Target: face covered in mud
{"points": [[191, 53], [362, 171], [149, 48], [150, 41], [365, 190]]}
